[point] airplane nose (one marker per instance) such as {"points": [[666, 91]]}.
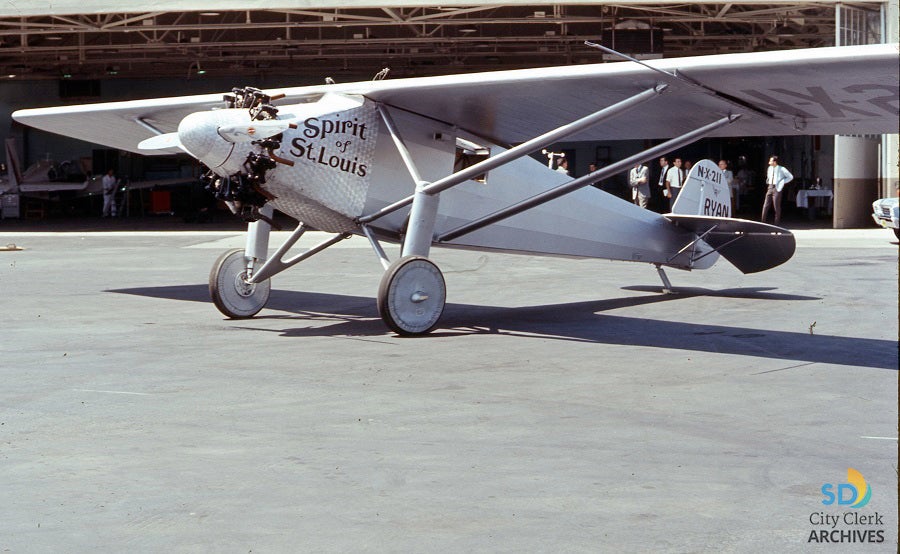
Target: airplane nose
{"points": [[198, 134]]}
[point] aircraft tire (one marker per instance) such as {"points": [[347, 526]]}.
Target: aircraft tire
{"points": [[412, 296], [230, 292]]}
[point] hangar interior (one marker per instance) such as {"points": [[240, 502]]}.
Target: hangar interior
{"points": [[63, 53]]}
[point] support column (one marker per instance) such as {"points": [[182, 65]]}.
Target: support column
{"points": [[860, 163], [890, 144], [855, 180], [890, 167]]}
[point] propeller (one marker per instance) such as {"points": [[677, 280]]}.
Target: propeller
{"points": [[238, 133], [198, 132], [255, 130], [161, 142]]}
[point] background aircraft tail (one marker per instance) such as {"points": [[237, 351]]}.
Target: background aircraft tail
{"points": [[13, 169], [704, 207]]}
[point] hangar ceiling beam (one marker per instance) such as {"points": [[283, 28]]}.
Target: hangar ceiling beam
{"points": [[411, 39]]}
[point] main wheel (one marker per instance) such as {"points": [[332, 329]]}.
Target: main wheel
{"points": [[411, 296], [229, 289]]}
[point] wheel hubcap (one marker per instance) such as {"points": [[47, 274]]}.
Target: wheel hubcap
{"points": [[242, 286]]}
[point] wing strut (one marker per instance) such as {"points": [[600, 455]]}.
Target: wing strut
{"points": [[519, 151], [401, 148], [586, 180], [684, 78]]}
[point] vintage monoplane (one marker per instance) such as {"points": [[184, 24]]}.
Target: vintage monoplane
{"points": [[444, 161]]}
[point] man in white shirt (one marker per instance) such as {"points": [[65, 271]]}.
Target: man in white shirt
{"points": [[674, 180], [109, 183], [639, 178], [776, 177]]}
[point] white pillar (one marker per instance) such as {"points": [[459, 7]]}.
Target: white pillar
{"points": [[855, 180], [863, 166]]}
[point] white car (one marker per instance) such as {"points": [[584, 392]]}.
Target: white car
{"points": [[886, 212]]}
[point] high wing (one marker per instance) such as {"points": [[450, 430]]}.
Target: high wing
{"points": [[842, 90]]}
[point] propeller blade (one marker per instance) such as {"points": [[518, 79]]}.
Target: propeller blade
{"points": [[255, 130], [160, 142]]}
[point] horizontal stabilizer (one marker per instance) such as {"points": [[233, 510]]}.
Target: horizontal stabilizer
{"points": [[749, 245]]}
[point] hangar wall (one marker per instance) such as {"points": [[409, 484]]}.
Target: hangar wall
{"points": [[880, 177], [809, 158]]}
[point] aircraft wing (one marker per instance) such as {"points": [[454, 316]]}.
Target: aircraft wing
{"points": [[51, 186], [94, 184], [821, 91]]}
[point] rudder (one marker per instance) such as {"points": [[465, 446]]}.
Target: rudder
{"points": [[704, 192]]}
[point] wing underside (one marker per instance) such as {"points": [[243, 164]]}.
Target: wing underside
{"points": [[848, 90]]}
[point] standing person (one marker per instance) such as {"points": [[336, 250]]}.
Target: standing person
{"points": [[109, 183], [729, 180], [592, 167], [639, 178], [562, 166], [776, 177], [660, 193], [674, 180]]}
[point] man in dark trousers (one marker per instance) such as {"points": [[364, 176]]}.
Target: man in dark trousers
{"points": [[776, 177], [659, 202]]}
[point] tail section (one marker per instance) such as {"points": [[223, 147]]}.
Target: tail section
{"points": [[704, 208], [13, 169]]}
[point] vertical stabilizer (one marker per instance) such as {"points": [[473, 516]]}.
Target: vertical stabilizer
{"points": [[705, 192], [13, 170]]}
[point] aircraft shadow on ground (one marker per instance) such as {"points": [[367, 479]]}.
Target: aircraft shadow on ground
{"points": [[344, 315]]}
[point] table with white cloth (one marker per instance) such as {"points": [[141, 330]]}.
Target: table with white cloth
{"points": [[818, 196]]}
